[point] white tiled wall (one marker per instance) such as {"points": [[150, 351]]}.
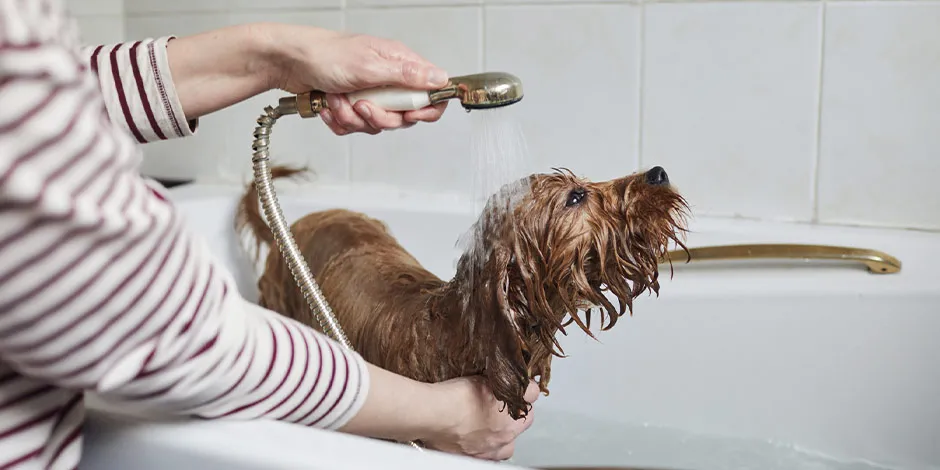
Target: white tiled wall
{"points": [[100, 21], [806, 110]]}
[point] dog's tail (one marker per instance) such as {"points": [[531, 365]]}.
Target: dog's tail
{"points": [[248, 216]]}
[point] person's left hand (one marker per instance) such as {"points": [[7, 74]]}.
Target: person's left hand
{"points": [[336, 62]]}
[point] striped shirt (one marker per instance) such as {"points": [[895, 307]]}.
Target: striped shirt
{"points": [[102, 286]]}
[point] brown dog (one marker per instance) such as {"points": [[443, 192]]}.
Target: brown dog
{"points": [[555, 251]]}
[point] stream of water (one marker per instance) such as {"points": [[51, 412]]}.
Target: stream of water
{"points": [[500, 159]]}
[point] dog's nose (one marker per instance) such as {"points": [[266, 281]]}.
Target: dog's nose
{"points": [[657, 176]]}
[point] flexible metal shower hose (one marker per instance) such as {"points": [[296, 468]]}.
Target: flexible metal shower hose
{"points": [[282, 235]]}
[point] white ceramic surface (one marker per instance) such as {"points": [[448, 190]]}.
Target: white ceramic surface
{"points": [[774, 110], [582, 102], [822, 357], [449, 37], [729, 103], [880, 146]]}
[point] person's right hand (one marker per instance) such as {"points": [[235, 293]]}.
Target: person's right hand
{"points": [[339, 62], [479, 429]]}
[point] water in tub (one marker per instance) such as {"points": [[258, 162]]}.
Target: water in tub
{"points": [[558, 438]]}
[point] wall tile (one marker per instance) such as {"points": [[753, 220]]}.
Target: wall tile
{"points": [[138, 7], [398, 3], [427, 156], [222, 147], [556, 2], [578, 65], [101, 29], [262, 8], [880, 138], [730, 104], [295, 141], [197, 155], [95, 7]]}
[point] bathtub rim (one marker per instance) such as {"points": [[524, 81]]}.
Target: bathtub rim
{"points": [[915, 248]]}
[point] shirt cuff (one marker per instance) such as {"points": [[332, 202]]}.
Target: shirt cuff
{"points": [[166, 96], [138, 89]]}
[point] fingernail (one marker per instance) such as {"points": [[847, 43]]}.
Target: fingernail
{"points": [[437, 77], [325, 116]]}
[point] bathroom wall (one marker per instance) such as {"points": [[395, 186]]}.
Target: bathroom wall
{"points": [[812, 111], [100, 21]]}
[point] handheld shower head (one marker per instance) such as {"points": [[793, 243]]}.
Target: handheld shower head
{"points": [[482, 90], [476, 91]]}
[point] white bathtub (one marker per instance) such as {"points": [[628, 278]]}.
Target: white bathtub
{"points": [[758, 365]]}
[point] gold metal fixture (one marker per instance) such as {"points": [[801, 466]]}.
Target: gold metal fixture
{"points": [[481, 90], [877, 262], [476, 91]]}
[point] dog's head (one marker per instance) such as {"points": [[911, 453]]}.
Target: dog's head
{"points": [[556, 248]]}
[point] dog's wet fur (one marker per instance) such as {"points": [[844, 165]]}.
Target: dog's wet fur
{"points": [[555, 252]]}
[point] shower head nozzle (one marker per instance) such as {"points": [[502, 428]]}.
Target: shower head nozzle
{"points": [[481, 90]]}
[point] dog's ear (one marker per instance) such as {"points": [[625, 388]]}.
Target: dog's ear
{"points": [[506, 366], [539, 272]]}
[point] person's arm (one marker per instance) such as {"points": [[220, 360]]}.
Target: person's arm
{"points": [[157, 89], [103, 288], [218, 68]]}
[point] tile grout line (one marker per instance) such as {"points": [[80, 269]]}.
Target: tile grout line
{"points": [[482, 39], [641, 72], [347, 145], [814, 189]]}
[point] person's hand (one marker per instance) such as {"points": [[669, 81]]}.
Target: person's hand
{"points": [[336, 62], [479, 428]]}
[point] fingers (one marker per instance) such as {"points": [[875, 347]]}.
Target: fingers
{"points": [[420, 75], [506, 452], [427, 114], [343, 118], [402, 67], [532, 392], [377, 117], [517, 427], [327, 117], [509, 448]]}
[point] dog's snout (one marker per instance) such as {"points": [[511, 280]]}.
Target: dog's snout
{"points": [[657, 176]]}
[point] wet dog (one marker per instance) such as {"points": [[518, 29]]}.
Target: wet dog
{"points": [[535, 259]]}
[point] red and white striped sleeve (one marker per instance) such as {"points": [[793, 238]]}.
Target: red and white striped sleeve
{"points": [[138, 91], [102, 286]]}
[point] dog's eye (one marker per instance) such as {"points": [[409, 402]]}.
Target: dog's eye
{"points": [[575, 197]]}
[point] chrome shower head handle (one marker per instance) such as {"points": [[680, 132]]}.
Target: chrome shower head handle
{"points": [[476, 91]]}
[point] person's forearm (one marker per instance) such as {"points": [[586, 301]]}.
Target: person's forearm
{"points": [[103, 288], [400, 409], [222, 67]]}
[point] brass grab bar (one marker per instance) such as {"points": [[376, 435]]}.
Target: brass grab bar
{"points": [[877, 262]]}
